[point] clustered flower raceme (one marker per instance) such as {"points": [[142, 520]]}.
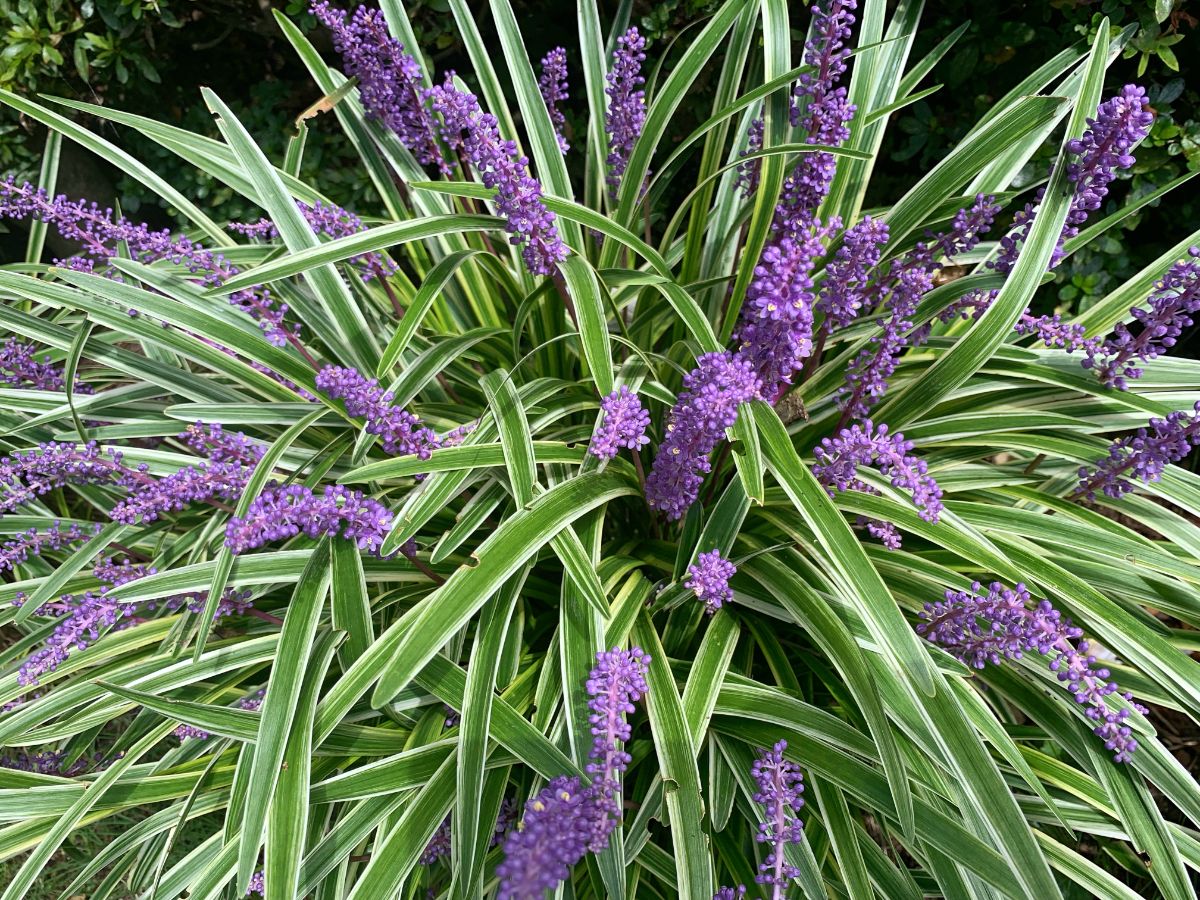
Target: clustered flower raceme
{"points": [[749, 171], [838, 460], [898, 292], [17, 549], [389, 79], [439, 845], [780, 786], [186, 732], [1175, 300], [53, 762], [101, 233], [569, 818], [1120, 123], [400, 432], [20, 368], [466, 127], [83, 618], [329, 220], [28, 474], [706, 406], [281, 512], [708, 578], [553, 87], [258, 884], [231, 461], [844, 289], [626, 104], [624, 424], [1144, 455], [982, 629]]}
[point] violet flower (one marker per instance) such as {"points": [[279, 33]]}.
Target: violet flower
{"points": [[232, 459], [846, 277], [1173, 303], [553, 86], [257, 884], [708, 578], [280, 512], [17, 549], [838, 459], [624, 424], [1144, 455], [333, 222], [389, 79], [780, 785], [1120, 123], [400, 432], [984, 629], [27, 474], [728, 893], [705, 407], [467, 127], [749, 171], [20, 368], [616, 682], [439, 845], [101, 233], [553, 837], [626, 104]]}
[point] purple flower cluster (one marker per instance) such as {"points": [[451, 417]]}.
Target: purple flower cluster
{"points": [[389, 79], [615, 684], [27, 474], [846, 277], [1175, 300], [982, 629], [329, 220], [624, 424], [232, 459], [1120, 123], [749, 171], [705, 407], [467, 127], [439, 845], [257, 884], [184, 732], [20, 368], [554, 835], [400, 432], [906, 282], [20, 547], [1144, 455], [780, 785], [281, 512], [51, 762], [775, 331], [708, 578], [839, 457], [821, 110], [568, 818], [553, 85], [101, 233], [626, 103]]}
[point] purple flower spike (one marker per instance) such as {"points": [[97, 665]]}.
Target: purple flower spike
{"points": [[279, 513], [728, 893], [708, 577], [1144, 455], [626, 104], [389, 80], [780, 785], [467, 127], [624, 425], [838, 459], [982, 629], [400, 432], [19, 548], [705, 407], [616, 682], [28, 474], [553, 837], [186, 732], [553, 85], [748, 172], [257, 884], [1174, 302], [846, 276], [20, 368]]}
